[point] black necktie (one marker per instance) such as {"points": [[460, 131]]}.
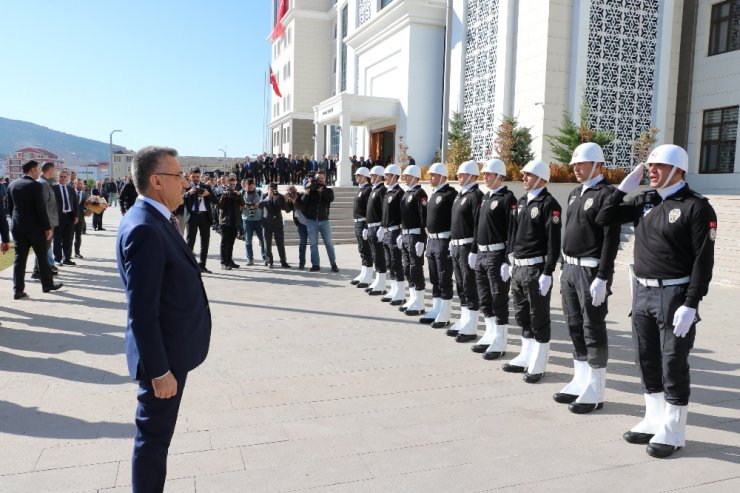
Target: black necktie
{"points": [[65, 202]]}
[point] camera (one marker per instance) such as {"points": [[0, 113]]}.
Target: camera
{"points": [[313, 183], [199, 189]]}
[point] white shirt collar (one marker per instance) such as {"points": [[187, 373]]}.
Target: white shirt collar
{"points": [[590, 183], [496, 189], [467, 187], [391, 187], [668, 191], [440, 187], [534, 193], [157, 205]]}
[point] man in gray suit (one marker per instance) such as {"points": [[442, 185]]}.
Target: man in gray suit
{"points": [[47, 171]]}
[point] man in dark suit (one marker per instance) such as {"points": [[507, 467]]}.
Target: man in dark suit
{"points": [[169, 322], [198, 199], [67, 212], [4, 229], [31, 229], [80, 225]]}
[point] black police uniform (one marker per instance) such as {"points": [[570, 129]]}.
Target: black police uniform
{"points": [[492, 230], [464, 216], [392, 223], [674, 256], [439, 222], [535, 232], [413, 218], [358, 214], [586, 241], [373, 218]]}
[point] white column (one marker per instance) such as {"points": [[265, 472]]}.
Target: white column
{"points": [[579, 55], [344, 166], [318, 141]]}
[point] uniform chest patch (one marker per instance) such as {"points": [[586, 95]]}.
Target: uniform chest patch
{"points": [[556, 217], [588, 204], [372, 195], [534, 212], [712, 230], [572, 199], [674, 215], [494, 204], [423, 202], [390, 199], [411, 197], [462, 202], [359, 194], [439, 199], [646, 208]]}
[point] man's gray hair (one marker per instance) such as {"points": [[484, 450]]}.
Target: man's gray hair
{"points": [[145, 164]]}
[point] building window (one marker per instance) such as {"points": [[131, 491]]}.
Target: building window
{"points": [[343, 81], [724, 35], [384, 3], [718, 139]]}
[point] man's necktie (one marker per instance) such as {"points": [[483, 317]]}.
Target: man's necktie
{"points": [[176, 224], [65, 201]]}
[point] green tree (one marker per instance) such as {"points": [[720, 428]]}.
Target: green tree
{"points": [[513, 144], [570, 135], [459, 149]]}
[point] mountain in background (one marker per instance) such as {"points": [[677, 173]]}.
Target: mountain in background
{"points": [[16, 134]]}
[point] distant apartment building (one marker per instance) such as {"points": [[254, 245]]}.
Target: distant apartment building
{"points": [[121, 165], [13, 163]]}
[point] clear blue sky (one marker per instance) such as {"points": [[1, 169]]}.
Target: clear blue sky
{"points": [[187, 74]]}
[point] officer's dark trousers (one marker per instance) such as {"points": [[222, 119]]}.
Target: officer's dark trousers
{"points": [[467, 291], [493, 292], [661, 356], [413, 265], [393, 257], [228, 236], [531, 309], [23, 243], [440, 267], [274, 228], [363, 246], [376, 247], [198, 222], [586, 322]]}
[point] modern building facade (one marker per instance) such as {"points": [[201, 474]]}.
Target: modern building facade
{"points": [[13, 163]]}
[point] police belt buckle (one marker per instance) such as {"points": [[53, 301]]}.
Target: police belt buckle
{"points": [[412, 231], [360, 220], [440, 236], [582, 261], [392, 228], [520, 262], [492, 248], [462, 241], [373, 225], [656, 283]]}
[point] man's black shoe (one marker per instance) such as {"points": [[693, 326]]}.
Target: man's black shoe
{"points": [[479, 348], [301, 267], [234, 265], [452, 332], [68, 262], [204, 270], [54, 270], [660, 450], [465, 337], [314, 268], [533, 377], [637, 438], [509, 368], [334, 268], [101, 229], [354, 282], [285, 265], [53, 287], [36, 276], [20, 296], [438, 325], [582, 408], [493, 355], [77, 255], [563, 398], [267, 262]]}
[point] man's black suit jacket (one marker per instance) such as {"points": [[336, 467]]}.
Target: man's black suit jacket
{"points": [[190, 202], [71, 196], [80, 200], [29, 207]]}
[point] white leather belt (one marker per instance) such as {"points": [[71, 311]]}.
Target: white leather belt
{"points": [[656, 283], [373, 225], [412, 231], [584, 261], [392, 228], [528, 261], [360, 220], [440, 236], [492, 248], [463, 241]]}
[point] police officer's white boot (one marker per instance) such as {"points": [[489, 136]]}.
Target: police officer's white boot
{"points": [[643, 431], [378, 286], [410, 301], [498, 346], [469, 331], [400, 295], [672, 434], [519, 364], [357, 278], [432, 314], [443, 317], [455, 329], [367, 277], [389, 296], [537, 362], [417, 307], [575, 387], [482, 344], [592, 397]]}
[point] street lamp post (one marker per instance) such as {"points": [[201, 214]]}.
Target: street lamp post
{"points": [[110, 150]]}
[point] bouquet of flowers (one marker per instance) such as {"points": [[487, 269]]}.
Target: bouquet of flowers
{"points": [[95, 204]]}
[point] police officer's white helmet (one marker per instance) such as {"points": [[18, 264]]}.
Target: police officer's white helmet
{"points": [[495, 166], [413, 170], [589, 151], [363, 171], [670, 154], [538, 168], [393, 169], [438, 169], [469, 167], [377, 170]]}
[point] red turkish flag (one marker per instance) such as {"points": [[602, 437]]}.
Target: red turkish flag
{"points": [[278, 30], [274, 84]]}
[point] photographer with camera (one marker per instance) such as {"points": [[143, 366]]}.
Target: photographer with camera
{"points": [[292, 204], [229, 214], [272, 222], [316, 201], [252, 219], [198, 199]]}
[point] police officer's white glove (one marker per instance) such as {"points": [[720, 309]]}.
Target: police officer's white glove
{"points": [[381, 234], [598, 291], [419, 248], [399, 242], [472, 257], [365, 234], [560, 276], [450, 249], [633, 180], [505, 272], [682, 320], [545, 282]]}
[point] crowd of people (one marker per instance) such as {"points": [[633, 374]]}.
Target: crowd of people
{"points": [[497, 246]]}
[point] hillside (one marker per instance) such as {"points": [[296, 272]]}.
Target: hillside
{"points": [[16, 134]]}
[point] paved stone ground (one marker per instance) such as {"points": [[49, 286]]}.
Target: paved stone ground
{"points": [[312, 385]]}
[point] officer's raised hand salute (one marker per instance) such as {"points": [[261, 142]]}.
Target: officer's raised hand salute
{"points": [[675, 229]]}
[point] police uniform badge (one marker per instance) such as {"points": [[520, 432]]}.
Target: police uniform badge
{"points": [[534, 212], [556, 217], [712, 230], [359, 194], [439, 199], [390, 199], [674, 215], [462, 202], [494, 204], [372, 195], [411, 197], [588, 204]]}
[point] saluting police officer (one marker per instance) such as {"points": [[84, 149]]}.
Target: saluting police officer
{"points": [[534, 246], [359, 211], [588, 252], [491, 236], [439, 224], [391, 229], [413, 239], [675, 230], [373, 218], [464, 249]]}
